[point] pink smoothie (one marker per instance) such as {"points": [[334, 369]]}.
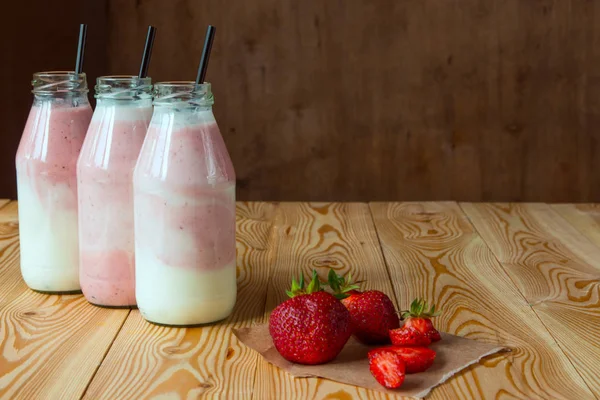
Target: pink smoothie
{"points": [[47, 188], [48, 151], [106, 231], [191, 197]]}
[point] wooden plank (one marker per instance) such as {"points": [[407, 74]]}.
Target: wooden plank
{"points": [[585, 217], [433, 251], [149, 361], [556, 268], [8, 211], [319, 236], [50, 345], [11, 283]]}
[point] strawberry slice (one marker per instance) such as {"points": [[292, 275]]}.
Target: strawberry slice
{"points": [[416, 359], [387, 367], [408, 336], [419, 317]]}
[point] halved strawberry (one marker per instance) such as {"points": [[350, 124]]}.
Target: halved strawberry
{"points": [[416, 359], [408, 336], [418, 317], [387, 367]]}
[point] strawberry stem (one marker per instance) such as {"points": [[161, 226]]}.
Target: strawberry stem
{"points": [[340, 285], [298, 287], [420, 309]]}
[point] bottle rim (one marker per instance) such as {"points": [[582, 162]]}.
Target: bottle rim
{"points": [[49, 82], [123, 87], [170, 92]]}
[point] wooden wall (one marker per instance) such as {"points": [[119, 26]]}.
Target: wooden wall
{"points": [[386, 99]]}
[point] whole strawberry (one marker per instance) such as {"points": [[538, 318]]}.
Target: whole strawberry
{"points": [[419, 318], [312, 327], [372, 312]]}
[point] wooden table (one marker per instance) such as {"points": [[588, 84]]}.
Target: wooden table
{"points": [[522, 275]]}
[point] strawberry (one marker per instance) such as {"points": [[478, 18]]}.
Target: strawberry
{"points": [[418, 317], [372, 312], [416, 359], [387, 367], [312, 326], [408, 336]]}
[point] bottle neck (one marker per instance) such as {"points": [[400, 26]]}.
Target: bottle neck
{"points": [[171, 117], [64, 87], [61, 100], [186, 96], [108, 102], [182, 107], [123, 89]]}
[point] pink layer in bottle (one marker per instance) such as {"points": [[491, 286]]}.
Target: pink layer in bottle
{"points": [[48, 151], [193, 199]]}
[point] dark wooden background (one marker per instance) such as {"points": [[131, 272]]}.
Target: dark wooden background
{"points": [[354, 100]]}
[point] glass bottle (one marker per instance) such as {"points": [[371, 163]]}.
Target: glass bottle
{"points": [[184, 200], [46, 181], [104, 178]]}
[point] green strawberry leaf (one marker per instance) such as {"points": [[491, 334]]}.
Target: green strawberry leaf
{"points": [[420, 308], [315, 284], [341, 285], [333, 281], [297, 287]]}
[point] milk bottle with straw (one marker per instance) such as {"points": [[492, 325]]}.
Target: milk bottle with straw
{"points": [[184, 200], [104, 174], [46, 177]]}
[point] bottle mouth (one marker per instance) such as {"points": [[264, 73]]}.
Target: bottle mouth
{"points": [[49, 82], [123, 87], [183, 91]]}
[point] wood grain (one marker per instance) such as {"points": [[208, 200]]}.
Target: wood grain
{"points": [[521, 276], [584, 217], [433, 251], [556, 268], [11, 284], [149, 361], [50, 345], [9, 211], [320, 236]]}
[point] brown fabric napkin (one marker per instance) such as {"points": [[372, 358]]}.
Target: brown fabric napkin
{"points": [[351, 366]]}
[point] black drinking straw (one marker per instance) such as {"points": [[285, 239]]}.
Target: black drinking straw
{"points": [[80, 48], [147, 52], [210, 35]]}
